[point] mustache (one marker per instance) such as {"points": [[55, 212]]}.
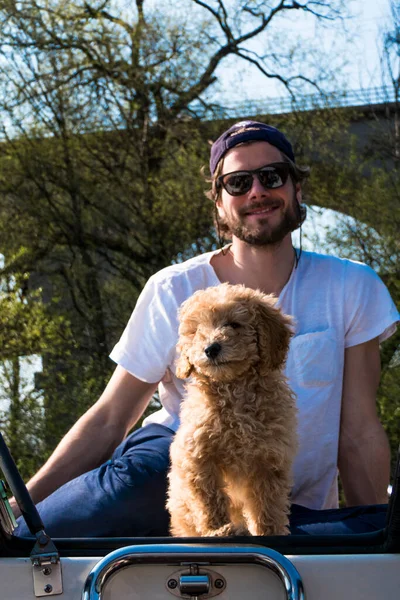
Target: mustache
{"points": [[259, 206]]}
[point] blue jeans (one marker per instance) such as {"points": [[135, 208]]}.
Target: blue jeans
{"points": [[125, 497]]}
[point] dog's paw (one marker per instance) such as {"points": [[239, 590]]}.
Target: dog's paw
{"points": [[227, 530]]}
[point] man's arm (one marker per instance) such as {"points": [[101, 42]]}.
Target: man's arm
{"points": [[95, 435], [364, 454]]}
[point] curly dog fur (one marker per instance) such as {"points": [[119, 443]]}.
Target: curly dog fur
{"points": [[232, 455]]}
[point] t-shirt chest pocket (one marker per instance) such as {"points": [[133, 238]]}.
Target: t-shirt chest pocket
{"points": [[313, 359]]}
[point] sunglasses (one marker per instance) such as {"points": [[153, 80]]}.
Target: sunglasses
{"points": [[270, 176]]}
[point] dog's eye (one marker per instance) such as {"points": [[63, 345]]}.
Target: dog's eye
{"points": [[232, 324]]}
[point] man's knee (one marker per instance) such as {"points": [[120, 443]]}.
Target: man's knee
{"points": [[124, 497]]}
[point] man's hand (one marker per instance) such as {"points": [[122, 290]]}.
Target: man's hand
{"points": [[95, 436], [364, 454]]}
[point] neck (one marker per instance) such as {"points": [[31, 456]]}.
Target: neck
{"points": [[267, 268]]}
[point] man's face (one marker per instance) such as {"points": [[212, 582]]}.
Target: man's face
{"points": [[261, 216]]}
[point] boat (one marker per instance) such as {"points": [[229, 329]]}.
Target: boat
{"points": [[318, 567]]}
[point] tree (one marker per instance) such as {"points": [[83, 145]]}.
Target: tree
{"points": [[104, 119], [27, 330], [390, 61], [363, 184]]}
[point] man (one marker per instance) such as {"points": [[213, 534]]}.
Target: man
{"points": [[342, 312]]}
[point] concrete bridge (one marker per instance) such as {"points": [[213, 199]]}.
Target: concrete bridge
{"points": [[373, 119], [363, 98]]}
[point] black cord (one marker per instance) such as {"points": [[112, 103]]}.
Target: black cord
{"points": [[301, 220], [297, 256]]}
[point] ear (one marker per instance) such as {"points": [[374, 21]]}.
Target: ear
{"points": [[183, 367], [219, 209], [301, 208], [274, 333], [186, 331]]}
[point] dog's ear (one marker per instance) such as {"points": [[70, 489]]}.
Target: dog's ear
{"points": [[183, 366], [187, 329], [274, 331]]}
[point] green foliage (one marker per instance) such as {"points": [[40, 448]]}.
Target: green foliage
{"points": [[106, 113], [371, 235], [69, 386], [27, 330], [25, 327], [362, 183], [21, 418], [389, 406]]}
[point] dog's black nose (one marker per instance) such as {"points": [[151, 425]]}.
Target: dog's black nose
{"points": [[213, 350]]}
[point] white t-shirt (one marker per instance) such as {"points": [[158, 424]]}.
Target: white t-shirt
{"points": [[336, 304]]}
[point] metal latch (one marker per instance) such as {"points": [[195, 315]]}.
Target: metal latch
{"points": [[195, 584], [47, 578]]}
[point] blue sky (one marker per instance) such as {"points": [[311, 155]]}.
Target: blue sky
{"points": [[354, 53], [349, 49]]}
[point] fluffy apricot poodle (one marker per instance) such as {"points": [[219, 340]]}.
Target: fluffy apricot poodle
{"points": [[232, 456]]}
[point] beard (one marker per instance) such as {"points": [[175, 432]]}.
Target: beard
{"points": [[264, 234]]}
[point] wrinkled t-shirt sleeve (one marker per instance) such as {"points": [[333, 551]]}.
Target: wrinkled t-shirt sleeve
{"points": [[369, 310], [147, 344]]}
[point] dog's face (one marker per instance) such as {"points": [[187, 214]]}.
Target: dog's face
{"points": [[224, 330]]}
